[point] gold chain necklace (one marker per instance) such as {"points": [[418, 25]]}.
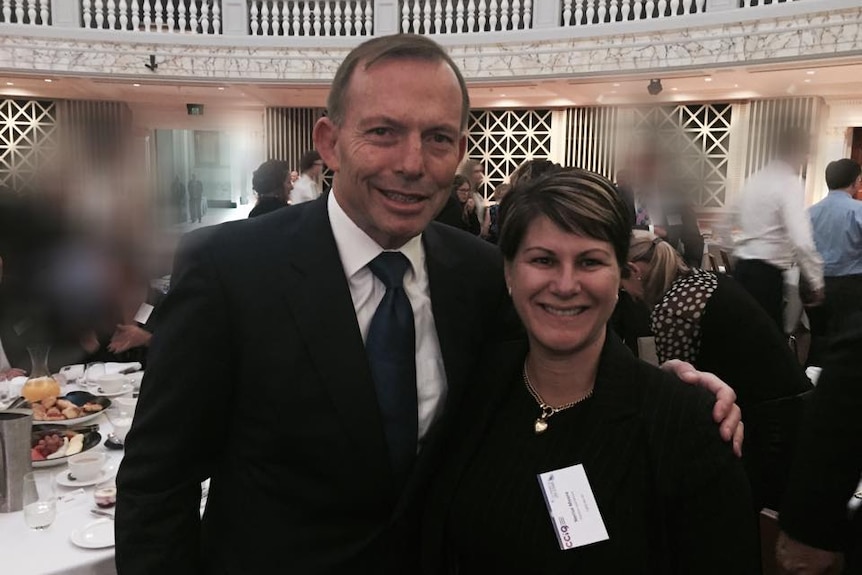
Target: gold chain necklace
{"points": [[547, 411]]}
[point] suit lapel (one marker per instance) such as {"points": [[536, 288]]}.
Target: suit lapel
{"points": [[318, 296]]}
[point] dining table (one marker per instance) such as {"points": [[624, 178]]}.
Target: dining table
{"points": [[49, 551]]}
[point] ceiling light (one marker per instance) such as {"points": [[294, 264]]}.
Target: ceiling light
{"points": [[221, 88], [736, 85], [49, 80], [708, 79], [136, 85], [10, 83], [674, 89], [807, 80], [503, 95], [811, 72], [616, 85]]}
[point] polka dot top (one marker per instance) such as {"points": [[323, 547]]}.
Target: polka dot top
{"points": [[675, 320]]}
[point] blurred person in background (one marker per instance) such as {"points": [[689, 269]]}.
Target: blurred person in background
{"points": [[294, 175], [460, 208], [307, 187], [818, 530], [271, 184], [491, 225], [474, 172], [196, 194], [774, 231], [656, 204], [178, 200], [10, 354], [710, 321], [836, 221]]}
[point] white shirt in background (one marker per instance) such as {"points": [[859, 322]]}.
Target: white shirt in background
{"points": [[304, 189], [356, 250], [773, 223]]}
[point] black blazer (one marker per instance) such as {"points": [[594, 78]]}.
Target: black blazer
{"points": [[829, 460], [671, 493], [258, 378]]}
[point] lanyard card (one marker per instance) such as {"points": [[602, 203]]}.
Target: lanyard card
{"points": [[572, 507]]}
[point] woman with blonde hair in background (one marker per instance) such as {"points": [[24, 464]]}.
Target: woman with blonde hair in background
{"points": [[710, 321]]}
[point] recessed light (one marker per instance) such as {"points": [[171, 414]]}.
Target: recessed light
{"points": [[221, 88], [49, 80], [707, 79], [674, 89], [811, 72], [736, 85], [503, 95], [616, 85], [10, 83], [807, 80], [136, 85]]}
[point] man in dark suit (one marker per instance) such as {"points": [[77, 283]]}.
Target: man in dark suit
{"points": [[307, 360], [814, 519]]}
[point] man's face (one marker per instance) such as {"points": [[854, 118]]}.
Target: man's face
{"points": [[397, 148], [294, 175]]}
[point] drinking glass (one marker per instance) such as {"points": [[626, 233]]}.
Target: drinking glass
{"points": [[92, 372], [40, 500]]}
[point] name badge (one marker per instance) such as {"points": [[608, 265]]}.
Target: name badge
{"points": [[572, 507], [674, 220], [144, 312]]}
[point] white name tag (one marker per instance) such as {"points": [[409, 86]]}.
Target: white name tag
{"points": [[572, 507], [144, 312], [674, 220]]}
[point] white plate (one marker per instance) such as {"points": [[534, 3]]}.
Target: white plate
{"points": [[96, 535], [108, 472], [75, 421], [127, 388]]}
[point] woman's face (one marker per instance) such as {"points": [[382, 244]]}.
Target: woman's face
{"points": [[564, 287], [463, 193]]}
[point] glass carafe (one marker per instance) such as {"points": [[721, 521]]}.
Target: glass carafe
{"points": [[40, 384]]}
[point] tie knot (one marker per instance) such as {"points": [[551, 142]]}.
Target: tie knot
{"points": [[389, 267]]}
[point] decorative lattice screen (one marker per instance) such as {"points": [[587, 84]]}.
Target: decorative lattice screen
{"points": [[696, 138], [27, 140], [502, 139]]}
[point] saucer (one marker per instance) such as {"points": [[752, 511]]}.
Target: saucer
{"points": [[127, 388], [109, 471], [96, 535]]}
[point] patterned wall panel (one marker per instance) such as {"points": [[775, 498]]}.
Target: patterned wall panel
{"points": [[94, 136], [28, 143], [591, 139], [767, 119], [696, 138], [502, 139], [289, 134]]}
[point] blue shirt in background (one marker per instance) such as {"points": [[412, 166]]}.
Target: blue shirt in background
{"points": [[837, 224]]}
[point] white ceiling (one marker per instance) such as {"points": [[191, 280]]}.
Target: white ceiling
{"points": [[832, 78]]}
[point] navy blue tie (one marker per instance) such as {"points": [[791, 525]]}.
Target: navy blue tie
{"points": [[391, 349]]}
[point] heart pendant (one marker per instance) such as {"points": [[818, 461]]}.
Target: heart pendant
{"points": [[540, 426]]}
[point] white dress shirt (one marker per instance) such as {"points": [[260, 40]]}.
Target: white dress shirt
{"points": [[356, 250], [773, 224], [304, 189]]}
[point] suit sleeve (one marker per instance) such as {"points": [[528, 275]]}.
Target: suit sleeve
{"points": [[828, 466], [712, 517], [173, 443]]}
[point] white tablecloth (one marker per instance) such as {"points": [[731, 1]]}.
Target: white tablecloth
{"points": [[27, 551]]}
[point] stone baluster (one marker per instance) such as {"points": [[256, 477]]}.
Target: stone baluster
{"points": [[180, 16], [427, 10], [338, 21], [317, 24], [482, 16], [296, 20], [19, 12], [449, 19], [405, 15], [614, 12], [591, 11], [265, 19], [348, 19], [459, 16], [44, 12], [216, 18], [528, 14], [7, 12], [124, 15], [194, 18], [516, 14], [650, 8], [493, 16], [327, 19], [438, 16], [602, 11], [306, 19], [98, 8], [206, 18], [254, 19], [471, 16], [31, 12], [625, 10], [369, 18], [662, 8]]}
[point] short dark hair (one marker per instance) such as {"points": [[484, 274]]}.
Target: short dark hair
{"points": [[394, 47], [532, 169], [841, 174], [308, 159], [268, 178], [578, 201]]}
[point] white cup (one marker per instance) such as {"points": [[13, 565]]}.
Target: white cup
{"points": [[111, 383], [86, 466]]}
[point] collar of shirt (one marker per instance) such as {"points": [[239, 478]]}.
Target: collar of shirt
{"points": [[356, 248]]}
